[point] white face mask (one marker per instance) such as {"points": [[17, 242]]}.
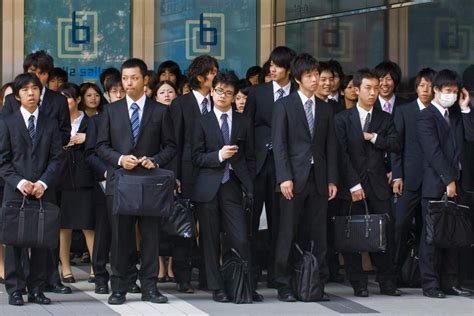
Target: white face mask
{"points": [[447, 99]]}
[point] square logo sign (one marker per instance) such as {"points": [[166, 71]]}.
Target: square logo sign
{"points": [[78, 35], [206, 36]]}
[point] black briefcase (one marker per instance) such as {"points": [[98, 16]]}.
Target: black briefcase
{"points": [[358, 233], [30, 224], [181, 221], [306, 283], [410, 270], [448, 224], [235, 273], [143, 192]]}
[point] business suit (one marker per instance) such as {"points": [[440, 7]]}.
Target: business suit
{"points": [[155, 140], [363, 163], [442, 147], [220, 204], [20, 158]]}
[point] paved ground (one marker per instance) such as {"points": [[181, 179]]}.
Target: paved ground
{"points": [[84, 301]]}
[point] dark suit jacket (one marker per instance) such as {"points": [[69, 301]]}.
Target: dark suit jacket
{"points": [[95, 163], [293, 146], [337, 106], [54, 105], [362, 161], [442, 146], [259, 108], [21, 159], [155, 139], [207, 141], [184, 111], [408, 164], [398, 101]]}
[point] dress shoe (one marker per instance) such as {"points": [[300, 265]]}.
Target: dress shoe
{"points": [[69, 279], [458, 291], [286, 295], [116, 298], [38, 298], [390, 290], [185, 287], [323, 298], [154, 296], [101, 289], [58, 288], [434, 293], [361, 291], [134, 288], [162, 279], [220, 296], [16, 299], [257, 297]]}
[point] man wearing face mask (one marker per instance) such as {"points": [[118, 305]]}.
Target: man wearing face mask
{"points": [[442, 129]]}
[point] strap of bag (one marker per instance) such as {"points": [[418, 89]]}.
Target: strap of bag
{"points": [[299, 249], [366, 208], [21, 221], [41, 223]]}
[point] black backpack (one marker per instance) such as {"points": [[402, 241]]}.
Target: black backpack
{"points": [[236, 277], [306, 283]]}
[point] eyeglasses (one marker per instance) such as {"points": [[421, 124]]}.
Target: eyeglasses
{"points": [[220, 91]]}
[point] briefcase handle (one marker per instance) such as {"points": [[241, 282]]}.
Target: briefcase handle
{"points": [[26, 201], [21, 221], [366, 208]]}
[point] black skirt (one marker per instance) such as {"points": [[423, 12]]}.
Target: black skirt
{"points": [[77, 209]]}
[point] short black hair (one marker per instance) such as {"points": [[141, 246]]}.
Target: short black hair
{"points": [[345, 82], [113, 80], [426, 73], [468, 77], [364, 73], [135, 62], [228, 78], [160, 84], [40, 60], [325, 66], [446, 77], [282, 56], [253, 71], [70, 90], [391, 68], [58, 73], [86, 86], [242, 86], [106, 73], [152, 79], [336, 67], [22, 80], [200, 66], [303, 63], [264, 72], [172, 67]]}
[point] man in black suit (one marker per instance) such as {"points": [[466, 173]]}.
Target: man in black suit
{"points": [[407, 165], [30, 158], [365, 134], [335, 98], [223, 154], [184, 111], [305, 152], [259, 108], [389, 74], [442, 131], [134, 132]]}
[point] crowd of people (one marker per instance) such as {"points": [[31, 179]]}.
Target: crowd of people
{"points": [[298, 138]]}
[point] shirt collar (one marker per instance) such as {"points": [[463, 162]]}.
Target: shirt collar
{"points": [[420, 104], [305, 98], [219, 114], [78, 120], [362, 112], [440, 108], [140, 102], [42, 95], [199, 97], [277, 87], [391, 101], [334, 97], [26, 115]]}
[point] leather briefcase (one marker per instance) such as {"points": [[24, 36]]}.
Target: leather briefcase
{"points": [[181, 221], [306, 282], [30, 224], [358, 233], [448, 224], [235, 273], [143, 192]]}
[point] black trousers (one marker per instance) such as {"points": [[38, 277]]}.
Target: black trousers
{"points": [[302, 220], [224, 211], [123, 250], [332, 256], [17, 278]]}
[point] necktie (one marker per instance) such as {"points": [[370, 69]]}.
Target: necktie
{"points": [[226, 136], [366, 123], [446, 117], [31, 128], [308, 109], [204, 103], [387, 107], [281, 93], [135, 121]]}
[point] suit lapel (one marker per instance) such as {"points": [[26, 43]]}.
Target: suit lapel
{"points": [[355, 122], [376, 120], [214, 123], [300, 111], [24, 129], [47, 101], [147, 113], [40, 126], [234, 131], [122, 113]]}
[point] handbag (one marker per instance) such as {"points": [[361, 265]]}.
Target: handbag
{"points": [[235, 273], [448, 224], [358, 233], [306, 283], [30, 224], [181, 221], [143, 192], [410, 270]]}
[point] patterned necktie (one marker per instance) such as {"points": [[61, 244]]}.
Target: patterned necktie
{"points": [[135, 121], [308, 109], [446, 118], [365, 129], [204, 103], [387, 107], [31, 128], [281, 93], [226, 136]]}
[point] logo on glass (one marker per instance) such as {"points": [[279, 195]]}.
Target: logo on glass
{"points": [[206, 36], [78, 35]]}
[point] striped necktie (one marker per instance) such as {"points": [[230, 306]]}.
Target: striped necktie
{"points": [[226, 136], [365, 129], [281, 93], [204, 103], [32, 128], [308, 108], [135, 121]]}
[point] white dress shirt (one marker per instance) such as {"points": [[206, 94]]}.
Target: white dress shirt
{"points": [[276, 87], [421, 106], [76, 123], [199, 97]]}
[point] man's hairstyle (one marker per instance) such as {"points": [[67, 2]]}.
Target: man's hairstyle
{"points": [[172, 67], [325, 66], [253, 71], [426, 73], [243, 87], [152, 79], [446, 77], [70, 90], [468, 78], [162, 83], [133, 63], [336, 67], [345, 82], [264, 72], [39, 60], [391, 68], [228, 78], [106, 73], [200, 66], [22, 80], [303, 63], [112, 81], [361, 74], [282, 56], [58, 73], [86, 86]]}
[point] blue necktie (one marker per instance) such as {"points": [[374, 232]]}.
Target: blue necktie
{"points": [[204, 103], [308, 108], [281, 93], [135, 121], [31, 128], [226, 136]]}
